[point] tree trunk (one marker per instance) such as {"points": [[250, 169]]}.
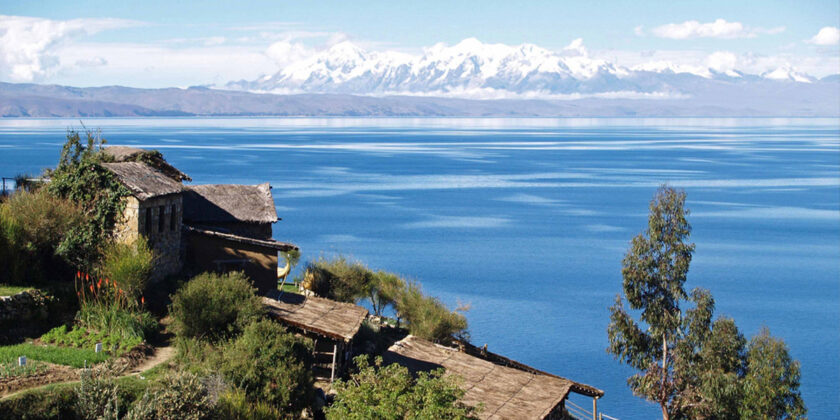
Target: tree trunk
{"points": [[663, 400]]}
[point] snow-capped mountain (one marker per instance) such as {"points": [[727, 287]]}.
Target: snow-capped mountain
{"points": [[472, 69]]}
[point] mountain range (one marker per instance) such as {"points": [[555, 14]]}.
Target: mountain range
{"points": [[468, 79]]}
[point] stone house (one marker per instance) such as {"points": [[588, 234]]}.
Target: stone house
{"points": [[199, 228]]}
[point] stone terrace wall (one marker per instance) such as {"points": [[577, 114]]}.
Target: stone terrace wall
{"points": [[26, 306]]}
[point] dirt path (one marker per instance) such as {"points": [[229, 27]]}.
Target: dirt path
{"points": [[161, 355]]}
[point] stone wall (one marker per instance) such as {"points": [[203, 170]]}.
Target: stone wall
{"points": [[153, 218], [26, 306]]}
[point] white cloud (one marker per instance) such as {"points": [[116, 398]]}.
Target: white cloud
{"points": [[286, 52], [720, 28], [28, 45], [723, 62], [830, 35]]}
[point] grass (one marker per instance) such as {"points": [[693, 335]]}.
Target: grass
{"points": [[9, 290], [11, 369], [58, 355], [290, 288]]}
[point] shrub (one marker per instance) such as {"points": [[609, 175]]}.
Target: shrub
{"points": [[198, 356], [180, 395], [234, 405], [50, 402], [129, 265], [428, 317], [384, 291], [96, 395], [271, 365], [213, 306], [338, 279], [390, 392], [32, 224]]}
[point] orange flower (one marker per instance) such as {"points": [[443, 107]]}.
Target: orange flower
{"points": [[87, 277], [78, 274], [142, 300], [99, 284], [91, 287]]}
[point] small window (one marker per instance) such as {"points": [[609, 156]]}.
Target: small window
{"points": [[161, 219], [148, 226], [173, 217]]}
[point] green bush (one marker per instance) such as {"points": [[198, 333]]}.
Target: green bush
{"points": [[338, 279], [180, 395], [213, 306], [198, 356], [390, 392], [234, 405], [271, 365], [96, 395], [47, 403], [129, 265], [428, 317], [32, 224]]}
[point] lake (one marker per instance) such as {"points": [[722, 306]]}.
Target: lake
{"points": [[527, 220]]}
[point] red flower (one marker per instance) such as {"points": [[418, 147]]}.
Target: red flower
{"points": [[142, 300], [91, 287]]}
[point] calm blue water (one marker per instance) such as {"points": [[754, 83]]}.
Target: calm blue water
{"points": [[528, 219]]}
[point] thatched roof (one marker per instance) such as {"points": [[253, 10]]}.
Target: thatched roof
{"points": [[229, 203], [142, 180], [151, 157], [324, 317], [506, 392], [267, 243]]}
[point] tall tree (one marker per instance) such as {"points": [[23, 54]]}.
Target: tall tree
{"points": [[654, 272], [692, 365]]}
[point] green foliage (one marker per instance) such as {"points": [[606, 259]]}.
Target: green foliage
{"points": [[234, 405], [129, 265], [271, 365], [428, 317], [771, 385], [390, 392], [47, 403], [338, 279], [198, 356], [32, 225], [67, 356], [690, 364], [213, 306], [13, 370], [79, 337], [81, 179], [180, 395], [344, 281], [120, 323], [96, 395]]}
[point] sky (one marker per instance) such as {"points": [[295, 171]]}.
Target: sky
{"points": [[186, 43]]}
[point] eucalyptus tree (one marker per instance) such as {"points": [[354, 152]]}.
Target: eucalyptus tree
{"points": [[691, 365]]}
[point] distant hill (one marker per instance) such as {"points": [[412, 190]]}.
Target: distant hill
{"points": [[705, 97]]}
